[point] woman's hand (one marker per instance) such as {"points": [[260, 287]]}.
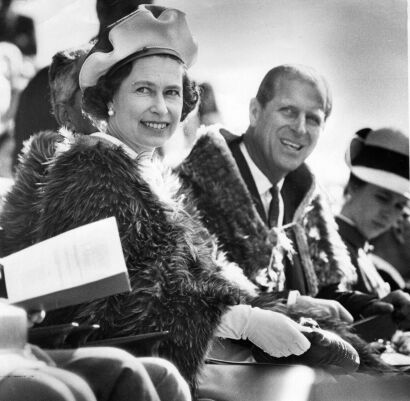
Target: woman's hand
{"points": [[273, 332]]}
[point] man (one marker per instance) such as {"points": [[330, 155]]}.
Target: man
{"points": [[269, 186]]}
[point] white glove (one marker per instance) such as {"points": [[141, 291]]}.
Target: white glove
{"points": [[273, 332]]}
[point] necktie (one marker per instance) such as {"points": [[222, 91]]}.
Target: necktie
{"points": [[274, 207]]}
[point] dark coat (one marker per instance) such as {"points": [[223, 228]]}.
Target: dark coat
{"points": [[176, 284]]}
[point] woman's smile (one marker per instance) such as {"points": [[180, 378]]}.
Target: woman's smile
{"points": [[155, 125]]}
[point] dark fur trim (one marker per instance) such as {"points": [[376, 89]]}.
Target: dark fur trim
{"points": [[328, 253], [20, 213], [226, 208], [175, 283]]}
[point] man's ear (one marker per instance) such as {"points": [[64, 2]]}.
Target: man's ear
{"points": [[254, 112]]}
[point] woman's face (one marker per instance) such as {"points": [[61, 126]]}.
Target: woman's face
{"points": [[148, 104], [374, 209]]}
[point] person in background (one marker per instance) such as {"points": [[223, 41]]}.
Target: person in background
{"points": [[376, 196], [65, 93], [391, 253], [12, 80], [206, 113], [17, 29]]}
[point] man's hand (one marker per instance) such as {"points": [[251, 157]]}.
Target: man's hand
{"points": [[377, 307], [401, 302], [333, 308]]}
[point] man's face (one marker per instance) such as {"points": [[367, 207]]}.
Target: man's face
{"points": [[286, 130]]}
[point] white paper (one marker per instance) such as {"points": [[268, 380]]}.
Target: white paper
{"points": [[86, 254]]}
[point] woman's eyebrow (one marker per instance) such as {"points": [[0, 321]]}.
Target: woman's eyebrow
{"points": [[143, 82]]}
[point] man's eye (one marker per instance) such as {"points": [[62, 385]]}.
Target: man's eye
{"points": [[288, 111], [313, 120], [173, 92]]}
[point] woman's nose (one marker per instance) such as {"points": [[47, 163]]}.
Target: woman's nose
{"points": [[159, 105]]}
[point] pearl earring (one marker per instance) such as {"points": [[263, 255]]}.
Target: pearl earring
{"points": [[110, 112]]}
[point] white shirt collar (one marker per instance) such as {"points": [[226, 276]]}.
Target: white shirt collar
{"points": [[262, 183], [132, 154]]}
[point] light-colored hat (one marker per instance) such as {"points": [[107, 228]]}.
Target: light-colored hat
{"points": [[381, 158], [147, 31]]}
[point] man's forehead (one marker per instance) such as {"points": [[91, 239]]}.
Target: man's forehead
{"points": [[284, 83]]}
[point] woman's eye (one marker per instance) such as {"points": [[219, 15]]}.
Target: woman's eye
{"points": [[382, 198], [143, 90], [400, 206]]}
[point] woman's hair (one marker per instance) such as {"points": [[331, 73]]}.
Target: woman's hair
{"points": [[354, 182], [96, 98]]}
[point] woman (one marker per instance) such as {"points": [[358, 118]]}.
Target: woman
{"points": [[135, 87], [377, 193]]}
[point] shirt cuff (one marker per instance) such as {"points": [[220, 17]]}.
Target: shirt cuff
{"points": [[292, 297]]}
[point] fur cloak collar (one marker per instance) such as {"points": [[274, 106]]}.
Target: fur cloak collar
{"points": [[227, 210]]}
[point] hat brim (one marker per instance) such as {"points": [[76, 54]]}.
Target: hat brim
{"points": [[384, 179]]}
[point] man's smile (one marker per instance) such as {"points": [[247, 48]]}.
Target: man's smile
{"points": [[290, 144]]}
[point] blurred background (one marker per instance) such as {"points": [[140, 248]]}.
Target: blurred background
{"points": [[360, 46]]}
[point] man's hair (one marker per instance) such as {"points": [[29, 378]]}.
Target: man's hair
{"points": [[266, 91], [63, 76]]}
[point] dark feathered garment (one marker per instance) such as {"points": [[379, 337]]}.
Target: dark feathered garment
{"points": [[227, 210], [20, 213], [175, 278], [176, 285]]}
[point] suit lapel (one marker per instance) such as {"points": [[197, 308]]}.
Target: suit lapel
{"points": [[247, 176]]}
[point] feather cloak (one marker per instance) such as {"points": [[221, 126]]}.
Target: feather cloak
{"points": [[176, 284]]}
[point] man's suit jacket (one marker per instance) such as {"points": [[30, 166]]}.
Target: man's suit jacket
{"points": [[295, 279]]}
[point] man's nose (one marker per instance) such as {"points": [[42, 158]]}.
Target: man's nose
{"points": [[159, 105], [299, 124]]}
